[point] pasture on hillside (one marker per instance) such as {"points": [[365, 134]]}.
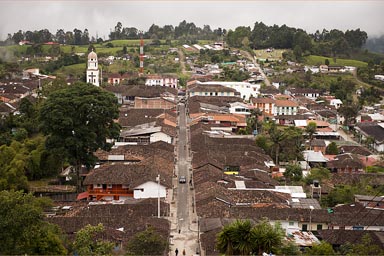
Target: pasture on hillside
{"points": [[320, 60]]}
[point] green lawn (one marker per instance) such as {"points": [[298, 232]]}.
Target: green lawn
{"points": [[74, 70], [318, 60]]}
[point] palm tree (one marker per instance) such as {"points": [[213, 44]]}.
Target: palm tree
{"points": [[266, 236], [276, 136], [243, 237], [253, 120], [310, 130], [224, 241]]}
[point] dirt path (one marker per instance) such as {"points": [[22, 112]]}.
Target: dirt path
{"points": [[182, 60]]}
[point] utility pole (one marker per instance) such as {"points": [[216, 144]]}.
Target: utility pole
{"points": [[158, 196]]}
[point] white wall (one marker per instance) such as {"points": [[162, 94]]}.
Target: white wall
{"points": [[149, 189], [285, 224]]}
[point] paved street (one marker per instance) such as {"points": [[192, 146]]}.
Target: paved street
{"points": [[184, 225]]}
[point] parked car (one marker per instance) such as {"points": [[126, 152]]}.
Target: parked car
{"points": [[182, 179]]}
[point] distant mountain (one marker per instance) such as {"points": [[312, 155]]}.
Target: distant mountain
{"points": [[375, 44]]}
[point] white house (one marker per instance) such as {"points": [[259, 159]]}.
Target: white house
{"points": [[140, 135], [211, 90], [239, 108], [245, 89], [149, 189], [160, 80], [285, 107], [313, 69], [336, 103]]}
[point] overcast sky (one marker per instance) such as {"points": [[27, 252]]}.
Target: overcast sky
{"points": [[100, 16]]}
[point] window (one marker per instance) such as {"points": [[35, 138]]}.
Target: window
{"points": [[109, 186], [305, 227], [291, 223], [319, 227], [97, 186]]}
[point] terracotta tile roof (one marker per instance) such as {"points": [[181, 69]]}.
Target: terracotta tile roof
{"points": [[132, 117], [132, 174], [345, 160], [358, 150], [134, 216], [372, 129], [262, 100], [211, 88], [353, 178], [286, 103], [341, 237]]}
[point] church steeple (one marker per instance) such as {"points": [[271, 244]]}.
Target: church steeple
{"points": [[92, 69]]}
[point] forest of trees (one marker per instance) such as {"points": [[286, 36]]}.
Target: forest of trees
{"points": [[325, 43]]}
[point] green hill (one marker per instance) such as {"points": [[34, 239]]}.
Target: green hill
{"points": [[319, 60]]}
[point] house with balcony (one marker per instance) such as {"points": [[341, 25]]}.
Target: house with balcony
{"points": [[265, 105], [121, 181], [285, 107]]}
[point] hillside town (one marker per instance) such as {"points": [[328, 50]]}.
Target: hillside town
{"points": [[197, 153]]}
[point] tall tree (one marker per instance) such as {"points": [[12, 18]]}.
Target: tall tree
{"points": [[78, 120], [310, 130], [277, 136], [23, 230], [147, 242], [87, 243], [293, 172]]}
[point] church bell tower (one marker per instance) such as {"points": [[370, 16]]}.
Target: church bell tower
{"points": [[92, 69]]}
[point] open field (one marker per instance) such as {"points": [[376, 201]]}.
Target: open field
{"points": [[276, 54], [319, 60]]}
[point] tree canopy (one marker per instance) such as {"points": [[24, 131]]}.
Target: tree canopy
{"points": [[23, 230], [243, 238], [78, 120], [86, 242], [147, 242]]}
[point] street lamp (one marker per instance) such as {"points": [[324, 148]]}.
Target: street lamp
{"points": [[310, 217]]}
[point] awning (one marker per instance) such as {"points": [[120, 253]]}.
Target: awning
{"points": [[82, 195]]}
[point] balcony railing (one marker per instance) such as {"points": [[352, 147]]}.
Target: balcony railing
{"points": [[110, 191]]}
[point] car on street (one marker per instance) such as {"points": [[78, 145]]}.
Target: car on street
{"points": [[182, 179]]}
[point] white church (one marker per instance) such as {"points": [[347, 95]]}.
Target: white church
{"points": [[92, 69]]}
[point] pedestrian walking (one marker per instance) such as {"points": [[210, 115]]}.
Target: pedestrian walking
{"points": [[176, 251], [183, 251], [179, 231]]}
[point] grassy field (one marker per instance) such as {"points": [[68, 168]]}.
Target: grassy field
{"points": [[318, 60], [277, 54], [75, 70]]}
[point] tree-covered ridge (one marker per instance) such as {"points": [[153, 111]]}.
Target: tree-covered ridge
{"points": [[326, 42]]}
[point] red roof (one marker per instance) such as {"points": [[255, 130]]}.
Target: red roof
{"points": [[82, 195]]}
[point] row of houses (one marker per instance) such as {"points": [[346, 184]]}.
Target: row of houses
{"points": [[233, 180]]}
